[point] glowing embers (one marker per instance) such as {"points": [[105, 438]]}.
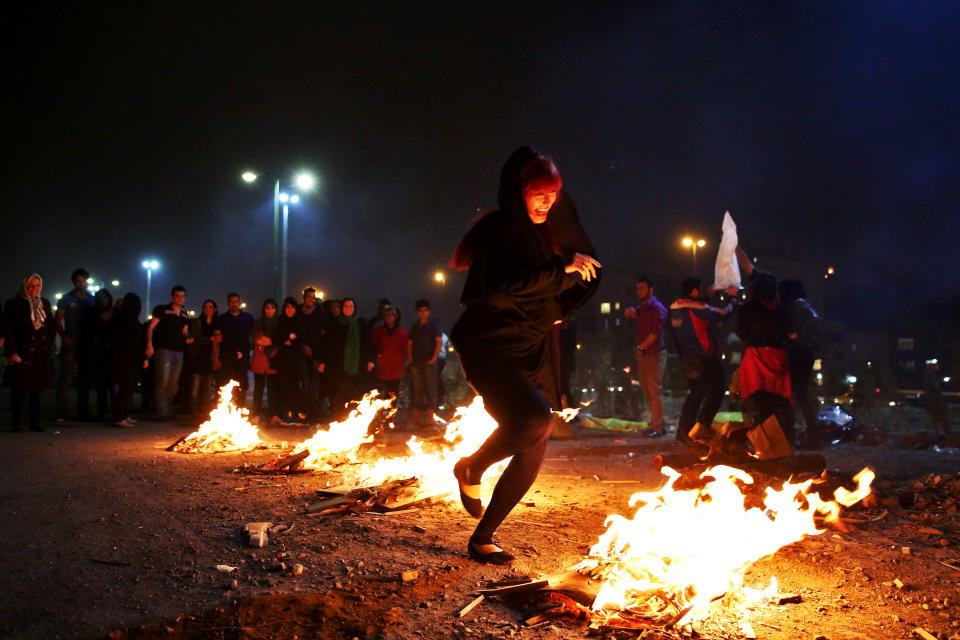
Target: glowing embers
{"points": [[683, 551], [227, 429]]}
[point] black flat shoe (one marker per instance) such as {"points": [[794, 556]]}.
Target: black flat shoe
{"points": [[461, 471], [493, 557]]}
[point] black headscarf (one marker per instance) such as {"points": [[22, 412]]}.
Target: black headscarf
{"points": [[562, 232]]}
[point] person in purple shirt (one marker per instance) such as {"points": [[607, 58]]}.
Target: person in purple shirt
{"points": [[650, 349]]}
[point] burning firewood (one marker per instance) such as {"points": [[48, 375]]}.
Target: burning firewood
{"points": [[227, 429], [389, 497]]}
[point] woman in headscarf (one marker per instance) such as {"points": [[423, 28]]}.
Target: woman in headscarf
{"points": [[102, 333], [288, 338], [530, 265], [127, 358], [349, 357], [264, 375], [29, 332], [202, 357]]}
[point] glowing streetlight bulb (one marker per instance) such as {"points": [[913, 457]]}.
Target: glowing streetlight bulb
{"points": [[249, 176], [89, 280], [701, 243], [284, 197], [294, 199], [115, 283], [687, 242], [439, 276], [320, 294], [305, 181]]}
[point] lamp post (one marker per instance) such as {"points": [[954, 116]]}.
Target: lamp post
{"points": [[150, 266], [692, 244], [305, 182], [440, 278]]}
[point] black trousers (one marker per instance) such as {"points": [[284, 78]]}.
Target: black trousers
{"points": [[126, 382], [17, 400], [236, 369], [525, 422], [801, 360], [268, 381], [706, 394]]}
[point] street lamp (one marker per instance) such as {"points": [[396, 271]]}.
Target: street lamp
{"points": [[150, 266], [305, 182], [440, 278], [693, 245]]}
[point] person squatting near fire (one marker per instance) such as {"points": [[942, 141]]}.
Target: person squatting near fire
{"points": [[693, 322], [650, 350], [530, 265]]}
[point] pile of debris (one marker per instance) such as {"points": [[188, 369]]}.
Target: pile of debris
{"points": [[396, 496]]}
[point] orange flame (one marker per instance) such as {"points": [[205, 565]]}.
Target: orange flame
{"points": [[692, 547], [227, 428]]}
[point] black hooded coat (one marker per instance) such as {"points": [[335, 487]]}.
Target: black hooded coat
{"points": [[516, 287]]}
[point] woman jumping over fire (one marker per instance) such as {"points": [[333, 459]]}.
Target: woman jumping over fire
{"points": [[530, 266]]}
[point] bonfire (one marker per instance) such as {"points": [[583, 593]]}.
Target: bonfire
{"points": [[227, 429], [684, 551]]}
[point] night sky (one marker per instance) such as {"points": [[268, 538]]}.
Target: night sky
{"points": [[828, 129]]}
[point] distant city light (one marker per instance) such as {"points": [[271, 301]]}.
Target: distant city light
{"points": [[605, 307], [947, 378], [830, 271], [933, 361], [248, 176], [151, 264], [115, 283], [243, 305], [89, 280], [851, 379], [58, 296], [191, 312]]}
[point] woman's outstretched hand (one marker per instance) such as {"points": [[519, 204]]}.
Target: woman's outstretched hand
{"points": [[584, 265]]}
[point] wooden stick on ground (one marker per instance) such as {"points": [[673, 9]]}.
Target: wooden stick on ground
{"points": [[467, 609]]}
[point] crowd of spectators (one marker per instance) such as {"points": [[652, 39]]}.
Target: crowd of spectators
{"points": [[308, 359]]}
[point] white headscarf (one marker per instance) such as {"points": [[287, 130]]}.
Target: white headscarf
{"points": [[37, 313]]}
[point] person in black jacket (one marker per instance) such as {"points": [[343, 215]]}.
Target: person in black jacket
{"points": [[529, 268], [349, 358], [288, 338], [127, 358], [29, 331]]}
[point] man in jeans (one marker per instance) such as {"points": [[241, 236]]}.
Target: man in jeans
{"points": [[74, 319], [425, 339], [693, 320], [168, 335], [234, 348], [650, 349]]}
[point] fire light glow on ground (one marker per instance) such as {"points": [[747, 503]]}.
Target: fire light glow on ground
{"points": [[686, 551], [680, 559]]}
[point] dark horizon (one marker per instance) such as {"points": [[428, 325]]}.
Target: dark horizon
{"points": [[828, 131]]}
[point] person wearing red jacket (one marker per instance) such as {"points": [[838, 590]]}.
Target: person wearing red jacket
{"points": [[390, 347]]}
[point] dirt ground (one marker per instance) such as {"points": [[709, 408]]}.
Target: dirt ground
{"points": [[106, 534]]}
